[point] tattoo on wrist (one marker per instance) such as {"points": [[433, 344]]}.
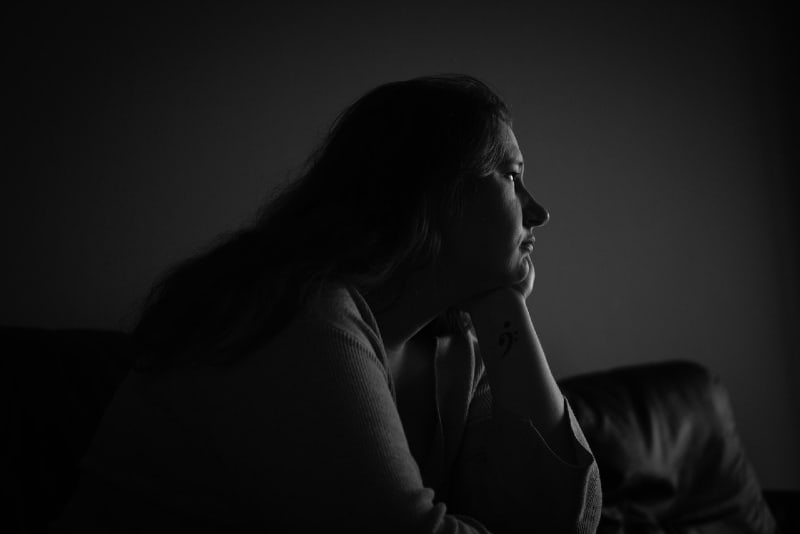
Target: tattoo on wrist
{"points": [[507, 339]]}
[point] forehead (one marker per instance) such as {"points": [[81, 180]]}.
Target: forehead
{"points": [[512, 154]]}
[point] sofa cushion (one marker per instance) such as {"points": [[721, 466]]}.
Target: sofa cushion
{"points": [[669, 455]]}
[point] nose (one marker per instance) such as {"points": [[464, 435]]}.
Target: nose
{"points": [[533, 213]]}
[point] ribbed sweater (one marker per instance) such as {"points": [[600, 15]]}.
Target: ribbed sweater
{"points": [[304, 435]]}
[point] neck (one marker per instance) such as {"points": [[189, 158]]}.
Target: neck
{"points": [[403, 308]]}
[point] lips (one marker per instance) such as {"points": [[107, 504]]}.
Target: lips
{"points": [[528, 244]]}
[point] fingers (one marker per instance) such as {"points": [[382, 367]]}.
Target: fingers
{"points": [[525, 285]]}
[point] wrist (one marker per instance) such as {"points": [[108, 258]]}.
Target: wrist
{"points": [[498, 305]]}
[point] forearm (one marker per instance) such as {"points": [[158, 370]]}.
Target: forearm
{"points": [[518, 372]]}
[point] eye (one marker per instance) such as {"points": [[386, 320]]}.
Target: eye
{"points": [[513, 176]]}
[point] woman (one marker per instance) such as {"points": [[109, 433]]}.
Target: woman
{"points": [[360, 358]]}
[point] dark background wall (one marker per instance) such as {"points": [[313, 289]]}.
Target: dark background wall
{"points": [[662, 138]]}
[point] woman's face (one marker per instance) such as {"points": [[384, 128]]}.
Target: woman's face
{"points": [[490, 244]]}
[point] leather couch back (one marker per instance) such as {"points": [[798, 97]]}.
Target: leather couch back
{"points": [[669, 455]]}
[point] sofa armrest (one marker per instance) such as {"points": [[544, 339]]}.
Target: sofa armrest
{"points": [[668, 451], [56, 384]]}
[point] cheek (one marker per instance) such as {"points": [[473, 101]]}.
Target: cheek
{"points": [[496, 233], [487, 235]]}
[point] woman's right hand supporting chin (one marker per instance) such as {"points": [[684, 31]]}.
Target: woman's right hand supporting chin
{"points": [[519, 375]]}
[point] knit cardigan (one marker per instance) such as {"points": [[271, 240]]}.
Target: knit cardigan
{"points": [[304, 435]]}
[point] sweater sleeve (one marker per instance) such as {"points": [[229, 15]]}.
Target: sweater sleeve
{"points": [[358, 471], [507, 479], [301, 436], [508, 476]]}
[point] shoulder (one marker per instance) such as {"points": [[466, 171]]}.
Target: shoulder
{"points": [[342, 306], [341, 312]]}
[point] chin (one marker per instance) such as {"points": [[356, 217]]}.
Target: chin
{"points": [[509, 274]]}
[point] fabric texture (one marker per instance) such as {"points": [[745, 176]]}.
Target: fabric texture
{"points": [[305, 435]]}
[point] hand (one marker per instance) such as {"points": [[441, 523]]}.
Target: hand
{"points": [[525, 286], [499, 297]]}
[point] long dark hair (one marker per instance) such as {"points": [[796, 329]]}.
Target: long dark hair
{"points": [[368, 207]]}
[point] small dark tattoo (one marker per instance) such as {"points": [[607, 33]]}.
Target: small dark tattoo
{"points": [[507, 338]]}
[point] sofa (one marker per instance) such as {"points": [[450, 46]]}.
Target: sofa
{"points": [[664, 436]]}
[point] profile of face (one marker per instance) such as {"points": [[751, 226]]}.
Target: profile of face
{"points": [[490, 244]]}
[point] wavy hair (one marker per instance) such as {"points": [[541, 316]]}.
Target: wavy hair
{"points": [[368, 208]]}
